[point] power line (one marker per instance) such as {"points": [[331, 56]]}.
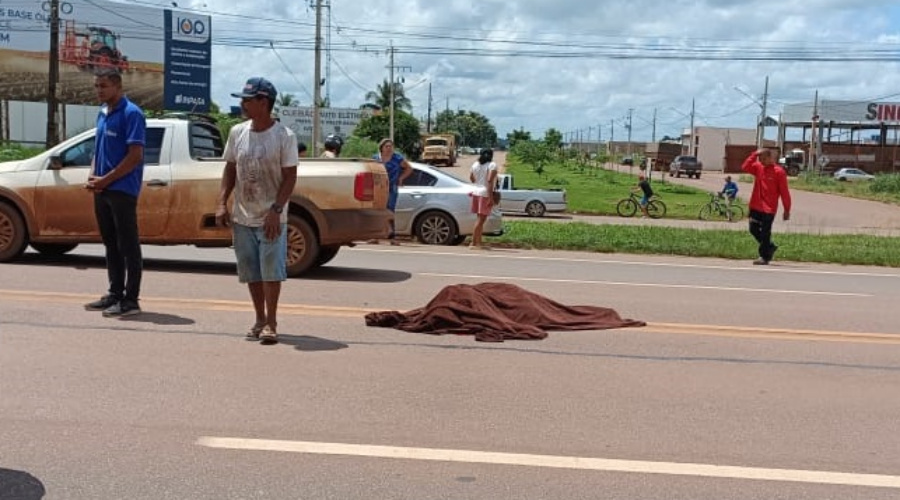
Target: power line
{"points": [[291, 72]]}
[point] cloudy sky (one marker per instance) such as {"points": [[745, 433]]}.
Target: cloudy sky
{"points": [[569, 64]]}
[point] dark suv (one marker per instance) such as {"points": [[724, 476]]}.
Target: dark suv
{"points": [[688, 165]]}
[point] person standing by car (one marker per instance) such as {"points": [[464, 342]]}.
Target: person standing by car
{"points": [[769, 184], [116, 177], [729, 192], [398, 169], [261, 168], [484, 175]]}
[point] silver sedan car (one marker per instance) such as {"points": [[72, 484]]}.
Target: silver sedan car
{"points": [[435, 207]]}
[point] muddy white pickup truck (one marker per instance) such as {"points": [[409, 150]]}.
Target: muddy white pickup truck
{"points": [[43, 202], [533, 202]]}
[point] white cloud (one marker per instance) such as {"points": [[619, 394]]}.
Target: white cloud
{"points": [[569, 93]]}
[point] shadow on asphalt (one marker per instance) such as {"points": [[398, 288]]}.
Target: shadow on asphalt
{"points": [[308, 343], [325, 273], [353, 274], [18, 485], [158, 319]]}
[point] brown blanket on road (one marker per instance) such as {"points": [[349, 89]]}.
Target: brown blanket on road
{"points": [[494, 312]]}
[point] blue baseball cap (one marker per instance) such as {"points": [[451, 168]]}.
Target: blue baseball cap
{"points": [[257, 86]]}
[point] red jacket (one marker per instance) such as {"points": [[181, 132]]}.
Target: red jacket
{"points": [[769, 183]]}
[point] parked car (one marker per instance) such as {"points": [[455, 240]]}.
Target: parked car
{"points": [[852, 174], [43, 202], [436, 208], [687, 165], [534, 202]]}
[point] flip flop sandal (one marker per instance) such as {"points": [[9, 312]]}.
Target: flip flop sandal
{"points": [[255, 331], [268, 336]]}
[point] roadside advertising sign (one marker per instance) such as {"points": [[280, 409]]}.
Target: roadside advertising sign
{"points": [[340, 121], [164, 56]]}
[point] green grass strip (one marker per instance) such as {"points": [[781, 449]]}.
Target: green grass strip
{"points": [[838, 249]]}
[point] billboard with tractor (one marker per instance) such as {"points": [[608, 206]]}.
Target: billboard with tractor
{"points": [[163, 56]]}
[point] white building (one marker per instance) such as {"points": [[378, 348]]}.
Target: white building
{"points": [[26, 122], [710, 143]]}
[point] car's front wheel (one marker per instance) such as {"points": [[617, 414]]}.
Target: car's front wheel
{"points": [[302, 246], [436, 228], [13, 234]]}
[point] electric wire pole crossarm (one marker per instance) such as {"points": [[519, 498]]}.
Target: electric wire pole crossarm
{"points": [[393, 67]]}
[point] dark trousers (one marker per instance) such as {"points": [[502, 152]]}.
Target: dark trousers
{"points": [[761, 229], [117, 218]]}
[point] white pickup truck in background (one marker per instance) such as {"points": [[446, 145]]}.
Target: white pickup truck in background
{"points": [[533, 202]]}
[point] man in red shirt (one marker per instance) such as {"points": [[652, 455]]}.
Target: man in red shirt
{"points": [[770, 183]]}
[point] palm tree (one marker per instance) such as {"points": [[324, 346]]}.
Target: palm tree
{"points": [[381, 96], [286, 101]]}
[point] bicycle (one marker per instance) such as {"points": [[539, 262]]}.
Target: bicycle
{"points": [[718, 209], [627, 207]]}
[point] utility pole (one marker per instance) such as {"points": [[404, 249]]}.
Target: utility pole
{"points": [[328, 55], [653, 137], [612, 134], [691, 148], [428, 122], [52, 101], [393, 67], [813, 160], [317, 86], [761, 128], [391, 135], [630, 113]]}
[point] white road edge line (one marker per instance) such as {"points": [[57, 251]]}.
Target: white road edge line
{"points": [[554, 461], [651, 285], [736, 267]]}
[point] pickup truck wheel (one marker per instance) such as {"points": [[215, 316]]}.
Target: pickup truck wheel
{"points": [[302, 246], [54, 249], [436, 228], [13, 234], [535, 209], [327, 253]]}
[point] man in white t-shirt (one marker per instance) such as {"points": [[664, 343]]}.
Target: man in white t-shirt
{"points": [[261, 169], [484, 176]]}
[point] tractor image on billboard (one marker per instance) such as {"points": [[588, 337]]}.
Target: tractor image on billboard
{"points": [[92, 49]]}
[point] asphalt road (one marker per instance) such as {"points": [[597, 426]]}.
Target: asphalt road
{"points": [[747, 383]]}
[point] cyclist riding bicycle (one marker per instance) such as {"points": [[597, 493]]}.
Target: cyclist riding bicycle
{"points": [[729, 192], [644, 185]]}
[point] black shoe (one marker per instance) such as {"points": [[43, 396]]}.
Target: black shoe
{"points": [[103, 304], [122, 308], [758, 262]]}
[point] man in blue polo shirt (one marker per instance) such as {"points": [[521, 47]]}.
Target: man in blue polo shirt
{"points": [[118, 171]]}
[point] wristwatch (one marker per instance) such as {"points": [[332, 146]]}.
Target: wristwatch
{"points": [[276, 208]]}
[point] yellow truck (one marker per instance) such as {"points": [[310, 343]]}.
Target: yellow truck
{"points": [[439, 150]]}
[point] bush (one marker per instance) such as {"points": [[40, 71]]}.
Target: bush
{"points": [[15, 152], [359, 147], [887, 183]]}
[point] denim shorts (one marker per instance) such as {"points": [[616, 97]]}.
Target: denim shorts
{"points": [[260, 259]]}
